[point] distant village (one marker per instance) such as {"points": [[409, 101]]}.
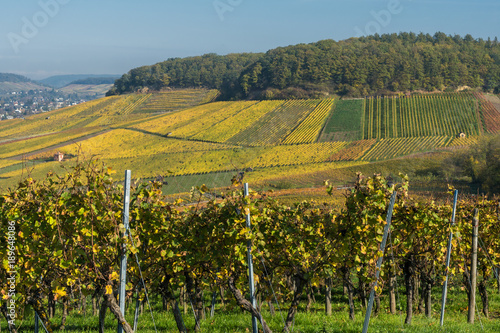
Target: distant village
{"points": [[19, 104]]}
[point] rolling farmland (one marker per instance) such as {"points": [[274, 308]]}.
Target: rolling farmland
{"points": [[23, 147], [239, 122], [208, 120], [421, 115], [395, 147], [276, 125], [176, 100], [353, 151], [170, 122], [6, 163], [296, 154], [344, 122], [55, 121], [490, 114], [308, 130], [108, 111], [143, 132], [124, 143]]}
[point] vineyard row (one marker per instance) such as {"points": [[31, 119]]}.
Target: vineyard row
{"points": [[204, 246]]}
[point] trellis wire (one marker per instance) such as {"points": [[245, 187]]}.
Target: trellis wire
{"points": [[36, 322], [143, 283], [469, 281], [136, 313], [212, 306], [272, 289], [398, 300], [194, 312], [483, 246], [41, 321]]}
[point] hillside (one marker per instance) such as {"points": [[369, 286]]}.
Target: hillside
{"points": [[16, 83], [274, 141], [60, 81], [95, 81], [209, 71], [82, 89], [13, 78], [356, 67], [95, 86]]}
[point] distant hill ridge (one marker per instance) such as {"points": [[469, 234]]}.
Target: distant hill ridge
{"points": [[95, 80], [15, 83], [59, 81], [13, 78], [355, 67]]}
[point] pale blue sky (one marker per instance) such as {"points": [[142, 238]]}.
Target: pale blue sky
{"points": [[114, 36]]}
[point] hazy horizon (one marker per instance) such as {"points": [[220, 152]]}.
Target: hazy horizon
{"points": [[42, 38]]}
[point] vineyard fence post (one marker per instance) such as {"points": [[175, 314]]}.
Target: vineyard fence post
{"points": [[473, 268], [448, 254], [36, 322], [39, 322], [123, 262], [212, 306], [250, 268], [379, 261]]}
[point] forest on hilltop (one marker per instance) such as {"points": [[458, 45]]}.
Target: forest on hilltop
{"points": [[354, 67], [210, 71]]}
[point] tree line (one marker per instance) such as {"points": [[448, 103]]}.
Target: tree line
{"points": [[354, 67]]}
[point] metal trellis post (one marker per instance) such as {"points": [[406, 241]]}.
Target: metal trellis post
{"points": [[473, 268], [250, 270], [36, 322], [123, 263], [379, 261], [448, 255]]}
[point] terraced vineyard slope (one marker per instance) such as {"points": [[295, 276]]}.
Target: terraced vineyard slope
{"points": [[308, 130], [276, 125], [176, 100], [142, 132], [421, 115]]}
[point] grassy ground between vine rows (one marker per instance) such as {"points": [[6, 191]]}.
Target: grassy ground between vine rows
{"points": [[232, 319]]}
